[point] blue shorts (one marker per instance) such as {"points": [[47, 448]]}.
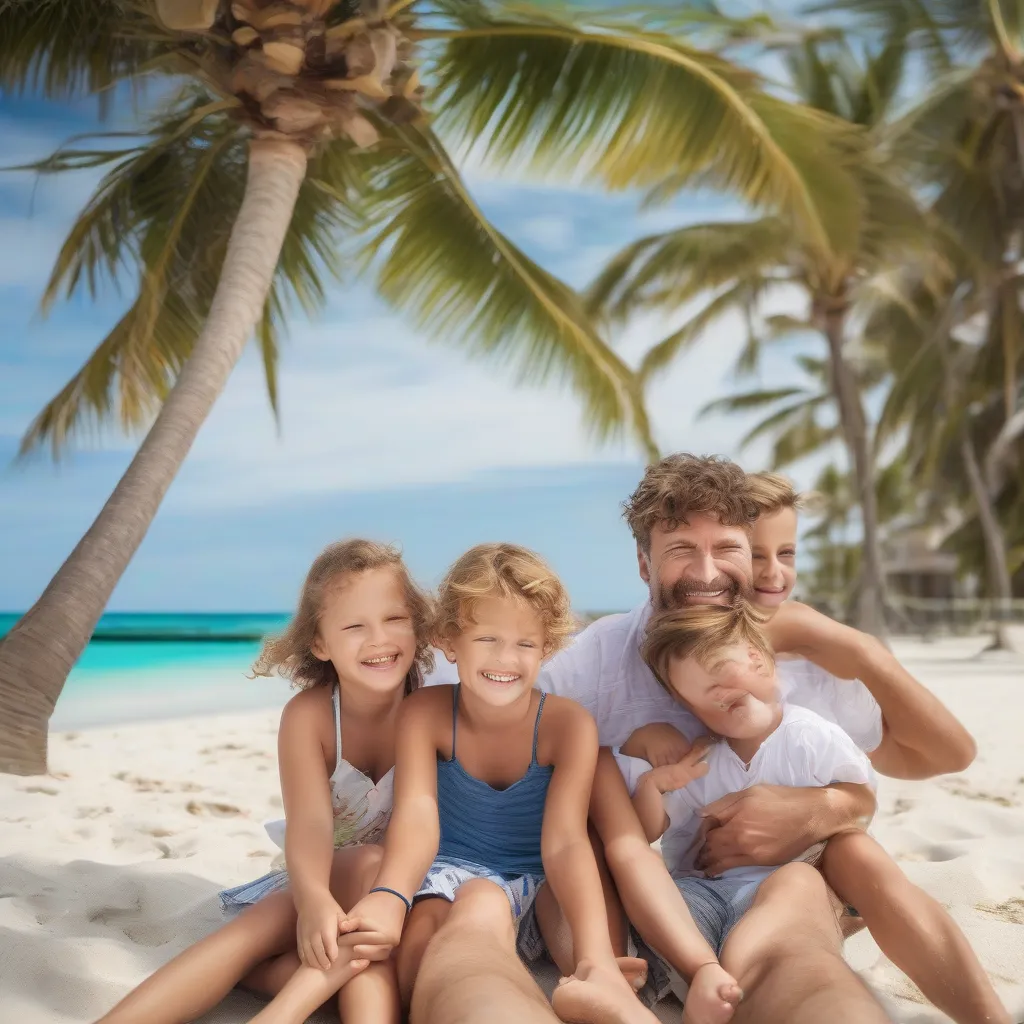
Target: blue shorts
{"points": [[447, 875], [245, 895], [716, 906]]}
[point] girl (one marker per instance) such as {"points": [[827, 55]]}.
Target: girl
{"points": [[493, 780], [910, 927], [356, 648]]}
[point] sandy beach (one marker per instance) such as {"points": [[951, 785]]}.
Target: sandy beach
{"points": [[110, 865]]}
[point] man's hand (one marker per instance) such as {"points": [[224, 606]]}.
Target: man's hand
{"points": [[772, 825], [374, 926], [658, 744]]}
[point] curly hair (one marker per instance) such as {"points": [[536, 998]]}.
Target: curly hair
{"points": [[681, 486], [772, 493], [700, 632], [291, 653], [503, 571]]}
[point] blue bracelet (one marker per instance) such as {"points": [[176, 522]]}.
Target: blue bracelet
{"points": [[394, 892]]}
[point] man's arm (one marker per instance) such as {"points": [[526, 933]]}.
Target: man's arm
{"points": [[921, 737], [772, 825]]}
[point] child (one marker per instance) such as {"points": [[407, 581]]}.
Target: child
{"points": [[493, 782], [718, 663], [356, 648]]}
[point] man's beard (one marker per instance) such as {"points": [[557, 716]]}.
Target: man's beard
{"points": [[685, 592]]}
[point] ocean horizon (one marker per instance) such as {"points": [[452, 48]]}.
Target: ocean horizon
{"points": [[153, 665]]}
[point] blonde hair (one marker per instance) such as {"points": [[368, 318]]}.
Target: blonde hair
{"points": [[681, 486], [772, 493], [701, 632], [503, 571], [291, 653]]}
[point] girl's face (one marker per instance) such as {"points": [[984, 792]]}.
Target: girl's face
{"points": [[773, 549], [735, 695], [499, 653], [366, 631]]}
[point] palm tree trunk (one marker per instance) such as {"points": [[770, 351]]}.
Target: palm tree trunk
{"points": [[997, 570], [39, 652], [871, 603]]}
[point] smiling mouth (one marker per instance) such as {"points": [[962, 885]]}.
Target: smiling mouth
{"points": [[500, 677], [382, 661], [770, 590]]}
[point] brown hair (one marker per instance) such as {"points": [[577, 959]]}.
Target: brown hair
{"points": [[503, 571], [684, 485], [700, 632], [291, 654], [772, 493]]}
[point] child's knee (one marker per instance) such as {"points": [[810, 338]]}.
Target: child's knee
{"points": [[855, 860], [480, 903]]}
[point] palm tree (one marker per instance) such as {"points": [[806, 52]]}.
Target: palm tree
{"points": [[739, 263], [286, 95], [945, 407]]}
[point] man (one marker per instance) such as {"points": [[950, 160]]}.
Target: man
{"points": [[690, 518]]}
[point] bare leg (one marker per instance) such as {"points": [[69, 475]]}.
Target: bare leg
{"points": [[558, 938], [912, 930], [196, 980], [786, 955], [469, 973], [366, 995]]}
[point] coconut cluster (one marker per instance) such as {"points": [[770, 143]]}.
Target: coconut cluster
{"points": [[309, 69]]}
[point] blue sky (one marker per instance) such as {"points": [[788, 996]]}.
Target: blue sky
{"points": [[383, 432]]}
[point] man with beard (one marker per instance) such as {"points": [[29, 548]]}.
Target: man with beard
{"points": [[691, 518]]}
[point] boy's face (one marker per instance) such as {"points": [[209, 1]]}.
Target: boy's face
{"points": [[499, 653], [734, 694], [773, 550]]}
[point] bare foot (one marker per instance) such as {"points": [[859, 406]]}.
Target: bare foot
{"points": [[634, 970], [598, 993], [712, 998]]}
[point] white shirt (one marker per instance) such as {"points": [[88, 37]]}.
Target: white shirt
{"points": [[602, 670], [805, 750]]}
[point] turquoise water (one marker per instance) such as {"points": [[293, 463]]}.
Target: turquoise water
{"points": [[142, 666]]}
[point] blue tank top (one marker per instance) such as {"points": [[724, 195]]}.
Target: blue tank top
{"points": [[496, 828]]}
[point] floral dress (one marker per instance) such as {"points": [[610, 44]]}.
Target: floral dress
{"points": [[362, 810]]}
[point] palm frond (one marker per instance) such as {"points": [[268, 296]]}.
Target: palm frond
{"points": [[160, 220], [438, 259], [741, 296], [750, 400], [69, 49], [637, 108], [666, 271]]}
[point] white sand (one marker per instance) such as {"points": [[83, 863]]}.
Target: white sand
{"points": [[110, 865]]}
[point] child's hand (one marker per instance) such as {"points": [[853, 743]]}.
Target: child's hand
{"points": [[712, 998], [658, 744], [374, 925], [316, 933], [692, 766]]}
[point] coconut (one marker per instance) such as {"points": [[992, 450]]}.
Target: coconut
{"points": [[360, 131], [187, 15], [284, 57], [292, 113]]}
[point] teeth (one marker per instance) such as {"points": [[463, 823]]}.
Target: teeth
{"points": [[382, 660], [496, 678]]}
